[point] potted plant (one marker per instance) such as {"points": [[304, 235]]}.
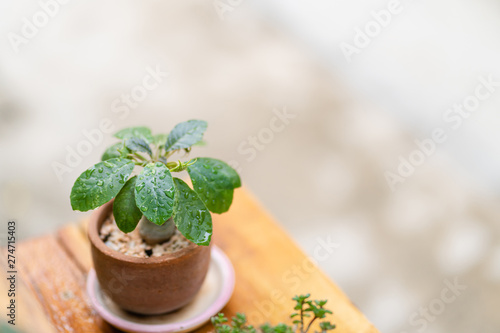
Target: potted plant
{"points": [[133, 185]]}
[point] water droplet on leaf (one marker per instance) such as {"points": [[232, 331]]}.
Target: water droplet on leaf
{"points": [[89, 173]]}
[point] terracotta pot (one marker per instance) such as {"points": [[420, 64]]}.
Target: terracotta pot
{"points": [[147, 286]]}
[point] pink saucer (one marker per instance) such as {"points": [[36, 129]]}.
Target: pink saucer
{"points": [[213, 296]]}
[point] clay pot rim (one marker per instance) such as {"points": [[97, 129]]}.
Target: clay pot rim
{"points": [[96, 220]]}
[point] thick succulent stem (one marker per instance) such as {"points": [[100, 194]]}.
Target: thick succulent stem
{"points": [[155, 234]]}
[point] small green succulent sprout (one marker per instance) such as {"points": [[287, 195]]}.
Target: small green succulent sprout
{"points": [[303, 309], [238, 324], [152, 194]]}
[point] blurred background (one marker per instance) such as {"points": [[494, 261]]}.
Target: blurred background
{"points": [[317, 103]]}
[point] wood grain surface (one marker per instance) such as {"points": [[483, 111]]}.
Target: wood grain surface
{"points": [[270, 270]]}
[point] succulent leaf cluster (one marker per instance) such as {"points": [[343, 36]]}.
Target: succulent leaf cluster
{"points": [[154, 192]]}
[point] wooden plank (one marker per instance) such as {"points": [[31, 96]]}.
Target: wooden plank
{"points": [[76, 244], [30, 316], [59, 285]]}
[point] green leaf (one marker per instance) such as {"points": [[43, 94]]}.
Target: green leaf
{"points": [[301, 298], [186, 134], [214, 181], [219, 319], [266, 328], [155, 192], [159, 139], [100, 183], [115, 151], [201, 143], [138, 144], [125, 211], [282, 328], [137, 132], [191, 216], [321, 302], [7, 328], [326, 326]]}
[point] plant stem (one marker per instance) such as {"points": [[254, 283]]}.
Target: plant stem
{"points": [[309, 326], [139, 157], [158, 153], [155, 234], [302, 318]]}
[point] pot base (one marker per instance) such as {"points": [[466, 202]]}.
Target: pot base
{"points": [[213, 296]]}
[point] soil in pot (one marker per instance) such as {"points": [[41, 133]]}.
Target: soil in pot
{"points": [[133, 245]]}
